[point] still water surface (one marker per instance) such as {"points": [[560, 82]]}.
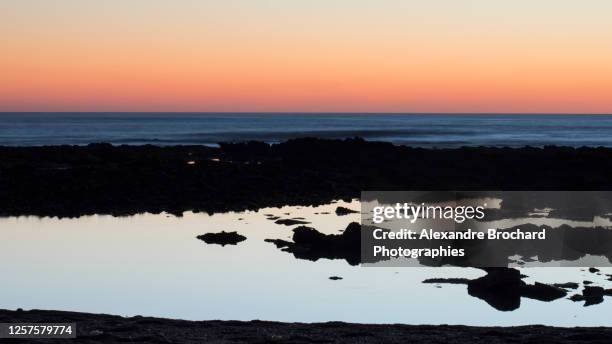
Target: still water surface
{"points": [[153, 265]]}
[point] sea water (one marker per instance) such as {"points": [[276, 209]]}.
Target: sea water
{"points": [[422, 130]]}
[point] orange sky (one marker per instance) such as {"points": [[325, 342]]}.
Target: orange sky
{"points": [[310, 55]]}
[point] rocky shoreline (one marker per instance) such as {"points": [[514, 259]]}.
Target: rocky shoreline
{"points": [[70, 181], [100, 328]]}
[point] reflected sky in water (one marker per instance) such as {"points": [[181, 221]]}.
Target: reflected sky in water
{"points": [[153, 265]]}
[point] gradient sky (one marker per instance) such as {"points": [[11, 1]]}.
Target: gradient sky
{"points": [[306, 55]]}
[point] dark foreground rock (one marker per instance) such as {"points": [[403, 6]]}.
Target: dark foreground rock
{"points": [[99, 328], [222, 238], [122, 180]]}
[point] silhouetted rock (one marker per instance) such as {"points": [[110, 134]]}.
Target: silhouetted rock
{"points": [[279, 243], [340, 211], [290, 222], [68, 181], [593, 295], [335, 278], [587, 282], [542, 292], [567, 285], [502, 288], [447, 280], [590, 296], [222, 238], [310, 244], [576, 297], [593, 270]]}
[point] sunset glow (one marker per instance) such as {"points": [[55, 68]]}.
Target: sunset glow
{"points": [[316, 55]]}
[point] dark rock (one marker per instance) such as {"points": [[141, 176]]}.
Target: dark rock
{"points": [[290, 222], [587, 282], [593, 270], [279, 242], [502, 288], [222, 238], [122, 180], [567, 285], [590, 296], [593, 295], [340, 211], [310, 244], [542, 292], [447, 280], [335, 278], [577, 297]]}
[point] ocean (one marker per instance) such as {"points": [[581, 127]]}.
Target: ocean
{"points": [[422, 130]]}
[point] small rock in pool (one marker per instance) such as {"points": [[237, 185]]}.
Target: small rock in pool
{"points": [[587, 282], [290, 222], [335, 278], [222, 238], [447, 280], [593, 270], [577, 298], [567, 285], [340, 211]]}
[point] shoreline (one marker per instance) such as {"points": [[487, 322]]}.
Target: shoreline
{"points": [[103, 328], [71, 181]]}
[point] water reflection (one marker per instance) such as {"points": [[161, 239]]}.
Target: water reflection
{"points": [[153, 265]]}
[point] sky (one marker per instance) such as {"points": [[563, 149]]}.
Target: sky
{"points": [[535, 56]]}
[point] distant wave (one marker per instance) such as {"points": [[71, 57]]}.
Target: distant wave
{"points": [[21, 129]]}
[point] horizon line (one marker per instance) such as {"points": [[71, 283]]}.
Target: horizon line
{"points": [[316, 112]]}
